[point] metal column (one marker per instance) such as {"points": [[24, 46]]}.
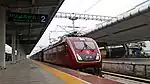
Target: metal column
{"points": [[18, 50], [126, 49], [22, 55], [13, 47], [109, 51], [2, 37]]}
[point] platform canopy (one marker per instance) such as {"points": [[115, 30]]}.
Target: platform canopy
{"points": [[132, 26], [28, 19]]}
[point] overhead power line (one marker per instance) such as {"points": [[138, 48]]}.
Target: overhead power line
{"points": [[76, 16], [92, 6]]}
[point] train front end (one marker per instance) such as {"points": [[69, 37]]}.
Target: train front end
{"points": [[86, 53]]}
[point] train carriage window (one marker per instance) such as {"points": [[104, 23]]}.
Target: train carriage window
{"points": [[59, 48], [45, 56], [45, 52], [50, 51], [63, 48], [54, 49]]}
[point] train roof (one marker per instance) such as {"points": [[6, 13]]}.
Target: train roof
{"points": [[64, 38], [80, 38]]}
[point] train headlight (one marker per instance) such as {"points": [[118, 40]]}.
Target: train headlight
{"points": [[78, 56], [97, 56]]}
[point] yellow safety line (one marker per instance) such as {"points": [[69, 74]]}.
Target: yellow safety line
{"points": [[64, 76]]}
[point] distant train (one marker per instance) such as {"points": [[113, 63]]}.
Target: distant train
{"points": [[115, 52], [72, 52], [119, 52]]}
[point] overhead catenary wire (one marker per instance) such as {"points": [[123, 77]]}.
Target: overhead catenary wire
{"points": [[90, 9], [83, 16], [92, 6]]}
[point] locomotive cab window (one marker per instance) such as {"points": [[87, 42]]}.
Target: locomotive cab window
{"points": [[84, 45]]}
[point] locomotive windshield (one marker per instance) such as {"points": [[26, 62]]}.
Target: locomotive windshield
{"points": [[84, 45]]}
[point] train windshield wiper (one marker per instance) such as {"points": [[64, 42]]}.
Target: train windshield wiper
{"points": [[86, 46]]}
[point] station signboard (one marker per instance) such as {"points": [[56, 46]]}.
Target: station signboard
{"points": [[27, 17]]}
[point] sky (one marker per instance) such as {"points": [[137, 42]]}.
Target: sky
{"points": [[94, 7]]}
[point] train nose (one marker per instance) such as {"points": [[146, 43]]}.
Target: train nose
{"points": [[88, 57], [87, 52]]}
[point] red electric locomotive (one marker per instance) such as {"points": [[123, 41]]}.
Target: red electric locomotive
{"points": [[75, 53]]}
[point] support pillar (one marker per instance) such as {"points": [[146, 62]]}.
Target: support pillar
{"points": [[24, 55], [126, 50], [21, 53], [18, 50], [13, 47], [18, 55], [2, 37], [109, 51]]}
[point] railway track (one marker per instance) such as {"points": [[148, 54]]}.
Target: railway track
{"points": [[120, 78], [127, 77], [140, 80]]}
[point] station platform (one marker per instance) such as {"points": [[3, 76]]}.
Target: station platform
{"points": [[137, 67], [34, 72], [27, 72]]}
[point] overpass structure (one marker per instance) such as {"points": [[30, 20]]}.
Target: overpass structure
{"points": [[131, 26], [22, 23]]}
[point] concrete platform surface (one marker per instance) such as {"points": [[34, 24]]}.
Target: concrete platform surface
{"points": [[88, 78], [27, 72]]}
